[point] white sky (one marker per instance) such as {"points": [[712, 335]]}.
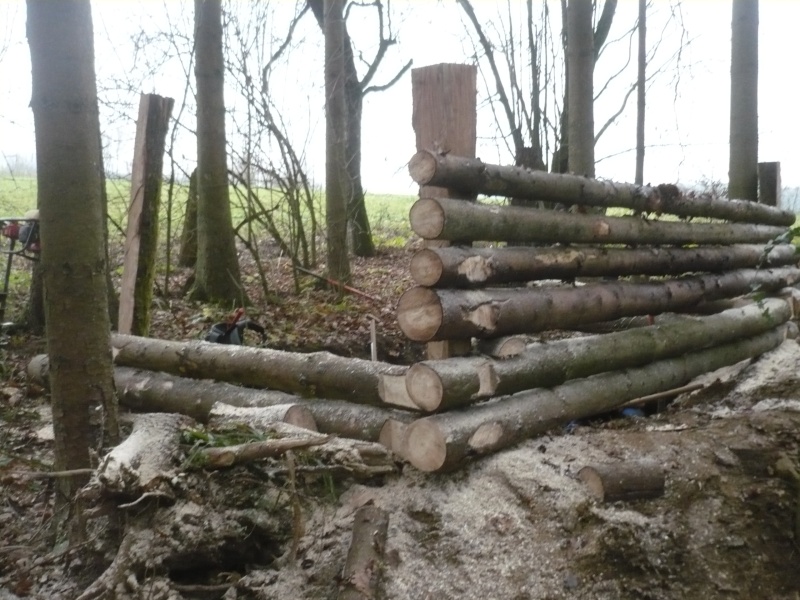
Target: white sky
{"points": [[687, 134]]}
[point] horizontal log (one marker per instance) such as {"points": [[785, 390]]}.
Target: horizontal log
{"points": [[446, 384], [316, 374], [426, 314], [472, 176], [624, 481], [148, 391], [461, 221], [445, 441], [459, 266]]}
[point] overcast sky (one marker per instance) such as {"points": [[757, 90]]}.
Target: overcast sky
{"points": [[687, 123]]}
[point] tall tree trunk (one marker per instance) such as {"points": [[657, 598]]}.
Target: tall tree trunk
{"points": [[360, 232], [217, 275], [640, 93], [743, 166], [337, 179], [580, 96], [68, 155]]}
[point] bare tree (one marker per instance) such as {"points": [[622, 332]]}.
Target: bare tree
{"points": [[217, 276], [743, 170], [68, 153]]}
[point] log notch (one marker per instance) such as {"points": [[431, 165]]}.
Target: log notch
{"points": [[449, 219], [425, 314], [148, 391], [461, 267], [361, 577], [141, 240], [623, 481], [445, 120], [470, 175], [444, 441], [447, 384], [316, 374]]}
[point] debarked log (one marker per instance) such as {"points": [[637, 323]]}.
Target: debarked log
{"points": [[148, 391], [316, 374], [426, 314], [446, 384], [472, 176], [612, 482], [459, 266], [444, 441], [461, 221], [363, 569]]}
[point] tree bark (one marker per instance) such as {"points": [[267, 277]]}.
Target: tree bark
{"points": [[445, 441], [317, 374], [462, 267], [580, 89], [338, 190], [443, 385], [425, 314], [623, 481], [141, 240], [456, 220], [470, 176], [743, 166], [188, 252], [361, 577], [68, 155], [217, 276], [641, 81]]}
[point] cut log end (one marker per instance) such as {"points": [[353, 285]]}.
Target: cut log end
{"points": [[300, 416], [425, 387], [419, 314], [425, 446], [422, 167], [426, 267], [427, 218]]}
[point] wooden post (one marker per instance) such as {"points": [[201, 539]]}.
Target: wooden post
{"points": [[141, 241], [769, 183], [445, 121]]}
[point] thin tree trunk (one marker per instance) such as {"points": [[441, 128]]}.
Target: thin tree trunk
{"points": [[640, 92], [425, 314], [217, 276], [188, 252], [580, 58], [68, 152]]}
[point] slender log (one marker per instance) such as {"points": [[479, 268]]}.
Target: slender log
{"points": [[476, 267], [472, 176], [228, 456], [442, 385], [444, 441], [148, 391], [623, 481], [361, 577], [456, 220], [316, 374], [425, 314]]}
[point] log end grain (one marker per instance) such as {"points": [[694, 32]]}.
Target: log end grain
{"points": [[392, 435], [300, 416], [427, 218], [424, 445], [426, 267], [425, 387], [422, 167], [419, 314]]}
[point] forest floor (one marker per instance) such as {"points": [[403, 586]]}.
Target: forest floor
{"points": [[517, 525]]}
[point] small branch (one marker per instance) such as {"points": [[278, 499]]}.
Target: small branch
{"points": [[217, 458], [50, 474], [338, 284], [665, 394]]}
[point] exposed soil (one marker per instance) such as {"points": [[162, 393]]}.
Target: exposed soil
{"points": [[516, 525]]}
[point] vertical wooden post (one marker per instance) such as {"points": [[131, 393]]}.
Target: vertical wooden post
{"points": [[769, 183], [445, 121], [141, 240]]}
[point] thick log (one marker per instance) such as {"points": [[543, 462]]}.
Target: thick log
{"points": [[477, 267], [316, 374], [442, 385], [361, 577], [425, 314], [147, 391], [263, 417], [472, 176], [443, 442], [457, 220], [623, 481]]}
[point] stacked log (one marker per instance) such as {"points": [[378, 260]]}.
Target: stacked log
{"points": [[570, 270]]}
